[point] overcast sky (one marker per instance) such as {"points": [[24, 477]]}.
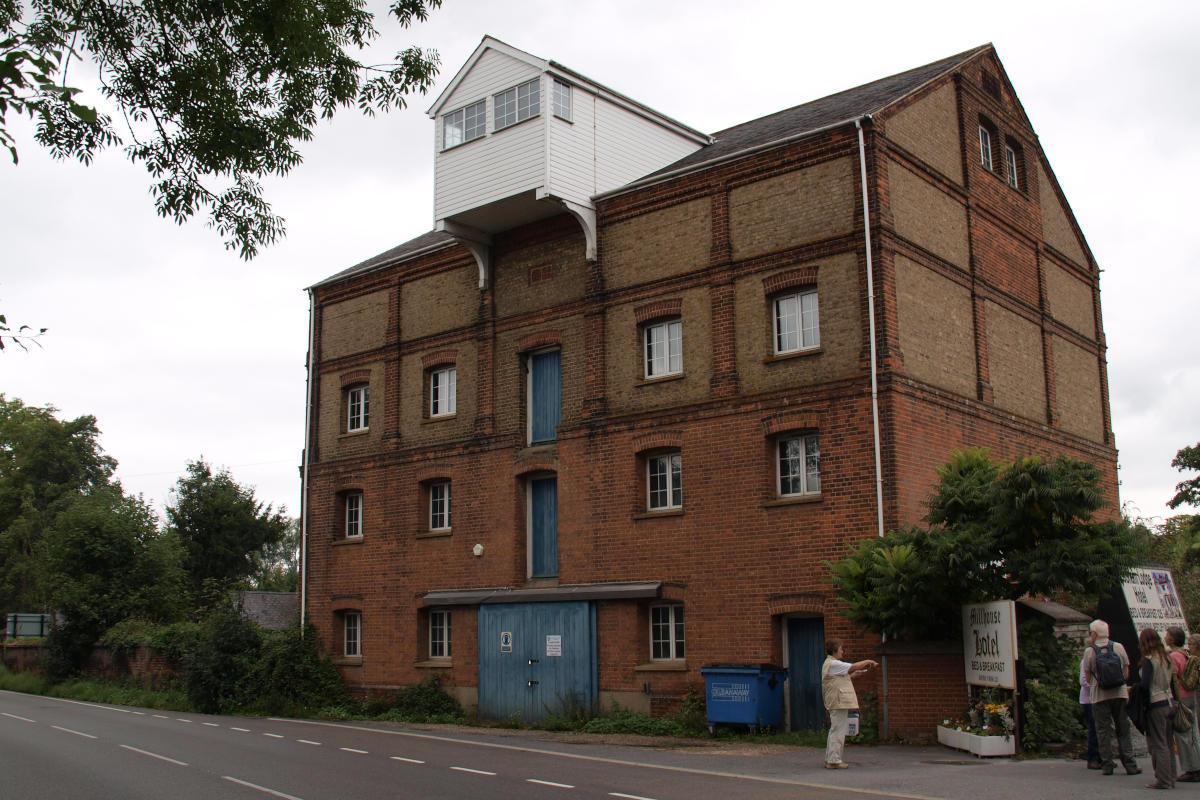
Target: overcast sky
{"points": [[181, 350]]}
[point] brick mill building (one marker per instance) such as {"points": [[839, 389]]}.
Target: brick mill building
{"points": [[603, 425]]}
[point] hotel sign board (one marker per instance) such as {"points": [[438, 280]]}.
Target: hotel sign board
{"points": [[1153, 600], [990, 644]]}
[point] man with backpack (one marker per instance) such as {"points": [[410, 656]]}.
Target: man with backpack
{"points": [[1107, 666]]}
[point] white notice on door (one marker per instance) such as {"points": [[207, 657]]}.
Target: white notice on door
{"points": [[554, 645]]}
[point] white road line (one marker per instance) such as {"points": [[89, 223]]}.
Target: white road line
{"points": [[352, 750], [14, 716], [77, 733], [473, 771], [629, 796], [406, 760], [72, 702], [308, 741], [210, 724], [138, 713], [549, 783], [262, 789], [155, 755], [239, 730], [620, 762], [160, 716], [274, 735], [181, 719]]}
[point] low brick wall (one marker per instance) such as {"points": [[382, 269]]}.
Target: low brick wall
{"points": [[925, 685], [18, 657], [145, 665]]}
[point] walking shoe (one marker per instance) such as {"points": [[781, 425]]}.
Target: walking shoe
{"points": [[1158, 785], [1189, 777], [1094, 765], [1107, 770], [837, 765], [1134, 771]]}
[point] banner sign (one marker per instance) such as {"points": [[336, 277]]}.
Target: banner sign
{"points": [[990, 644], [1153, 600]]}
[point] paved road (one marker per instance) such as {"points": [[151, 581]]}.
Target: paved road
{"points": [[64, 749]]}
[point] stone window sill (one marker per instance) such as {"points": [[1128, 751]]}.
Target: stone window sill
{"points": [[672, 512], [353, 434], [800, 500], [435, 663], [426, 534], [439, 418], [348, 661], [662, 666], [775, 358], [642, 382], [347, 540]]}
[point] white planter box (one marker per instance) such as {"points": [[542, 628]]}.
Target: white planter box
{"points": [[985, 746]]}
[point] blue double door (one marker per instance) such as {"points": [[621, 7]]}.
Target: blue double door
{"points": [[537, 660]]}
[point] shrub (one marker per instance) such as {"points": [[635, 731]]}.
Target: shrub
{"points": [[223, 655], [622, 720], [425, 702], [1050, 716], [291, 675], [127, 635]]}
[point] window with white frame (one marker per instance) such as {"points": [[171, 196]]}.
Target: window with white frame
{"points": [[443, 391], [353, 502], [799, 465], [351, 634], [439, 506], [358, 408], [664, 482], [666, 633], [664, 348], [439, 634], [469, 122], [797, 322], [562, 100], [985, 147], [518, 103]]}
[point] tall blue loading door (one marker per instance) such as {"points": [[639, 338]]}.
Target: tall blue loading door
{"points": [[536, 659], [806, 654], [545, 396]]}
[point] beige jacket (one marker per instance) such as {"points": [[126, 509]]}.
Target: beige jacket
{"points": [[838, 690]]}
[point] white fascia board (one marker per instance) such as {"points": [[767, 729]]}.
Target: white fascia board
{"points": [[487, 43]]}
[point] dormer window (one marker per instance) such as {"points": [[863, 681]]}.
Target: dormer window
{"points": [[469, 122], [518, 103], [562, 100]]}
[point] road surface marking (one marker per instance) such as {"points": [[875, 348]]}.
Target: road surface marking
{"points": [[14, 716], [274, 735], [240, 730], [160, 716], [77, 733], [72, 702], [210, 724], [154, 755], [352, 750], [181, 719], [262, 789], [549, 783], [614, 761], [307, 741], [629, 796], [473, 771], [139, 713], [406, 760]]}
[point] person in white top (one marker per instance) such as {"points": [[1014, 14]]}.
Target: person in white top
{"points": [[840, 698]]}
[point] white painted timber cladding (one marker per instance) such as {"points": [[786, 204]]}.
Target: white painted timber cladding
{"points": [[629, 147], [499, 165], [572, 150]]}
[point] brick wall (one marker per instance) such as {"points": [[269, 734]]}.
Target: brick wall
{"points": [[925, 687]]}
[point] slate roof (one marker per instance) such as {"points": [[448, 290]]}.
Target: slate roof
{"points": [[274, 611], [870, 98]]}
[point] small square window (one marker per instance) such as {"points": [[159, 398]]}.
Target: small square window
{"points": [[439, 634], [517, 104], [464, 125], [562, 100], [358, 408], [443, 391], [439, 506], [664, 349], [797, 322], [799, 465], [666, 633], [352, 634], [354, 517], [664, 482]]}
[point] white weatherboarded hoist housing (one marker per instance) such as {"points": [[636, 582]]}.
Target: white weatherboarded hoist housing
{"points": [[519, 138]]}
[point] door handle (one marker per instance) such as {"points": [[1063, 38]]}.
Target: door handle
{"points": [[531, 683]]}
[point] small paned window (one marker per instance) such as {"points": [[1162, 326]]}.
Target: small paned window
{"points": [[518, 103], [797, 322], [464, 125], [664, 482], [439, 634], [443, 391], [352, 634], [439, 506], [562, 100], [985, 148], [1010, 156], [358, 408], [354, 515], [666, 633], [799, 465], [1014, 160], [664, 349]]}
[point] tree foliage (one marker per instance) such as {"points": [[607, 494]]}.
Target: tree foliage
{"points": [[211, 96], [223, 529], [995, 532], [277, 564], [1175, 543], [1187, 492]]}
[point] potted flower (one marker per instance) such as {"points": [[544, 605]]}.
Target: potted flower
{"points": [[986, 730]]}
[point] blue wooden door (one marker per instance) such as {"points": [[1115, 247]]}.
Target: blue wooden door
{"points": [[543, 527], [545, 396], [536, 659], [806, 654]]}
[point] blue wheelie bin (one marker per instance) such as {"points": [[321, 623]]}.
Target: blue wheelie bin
{"points": [[744, 694]]}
